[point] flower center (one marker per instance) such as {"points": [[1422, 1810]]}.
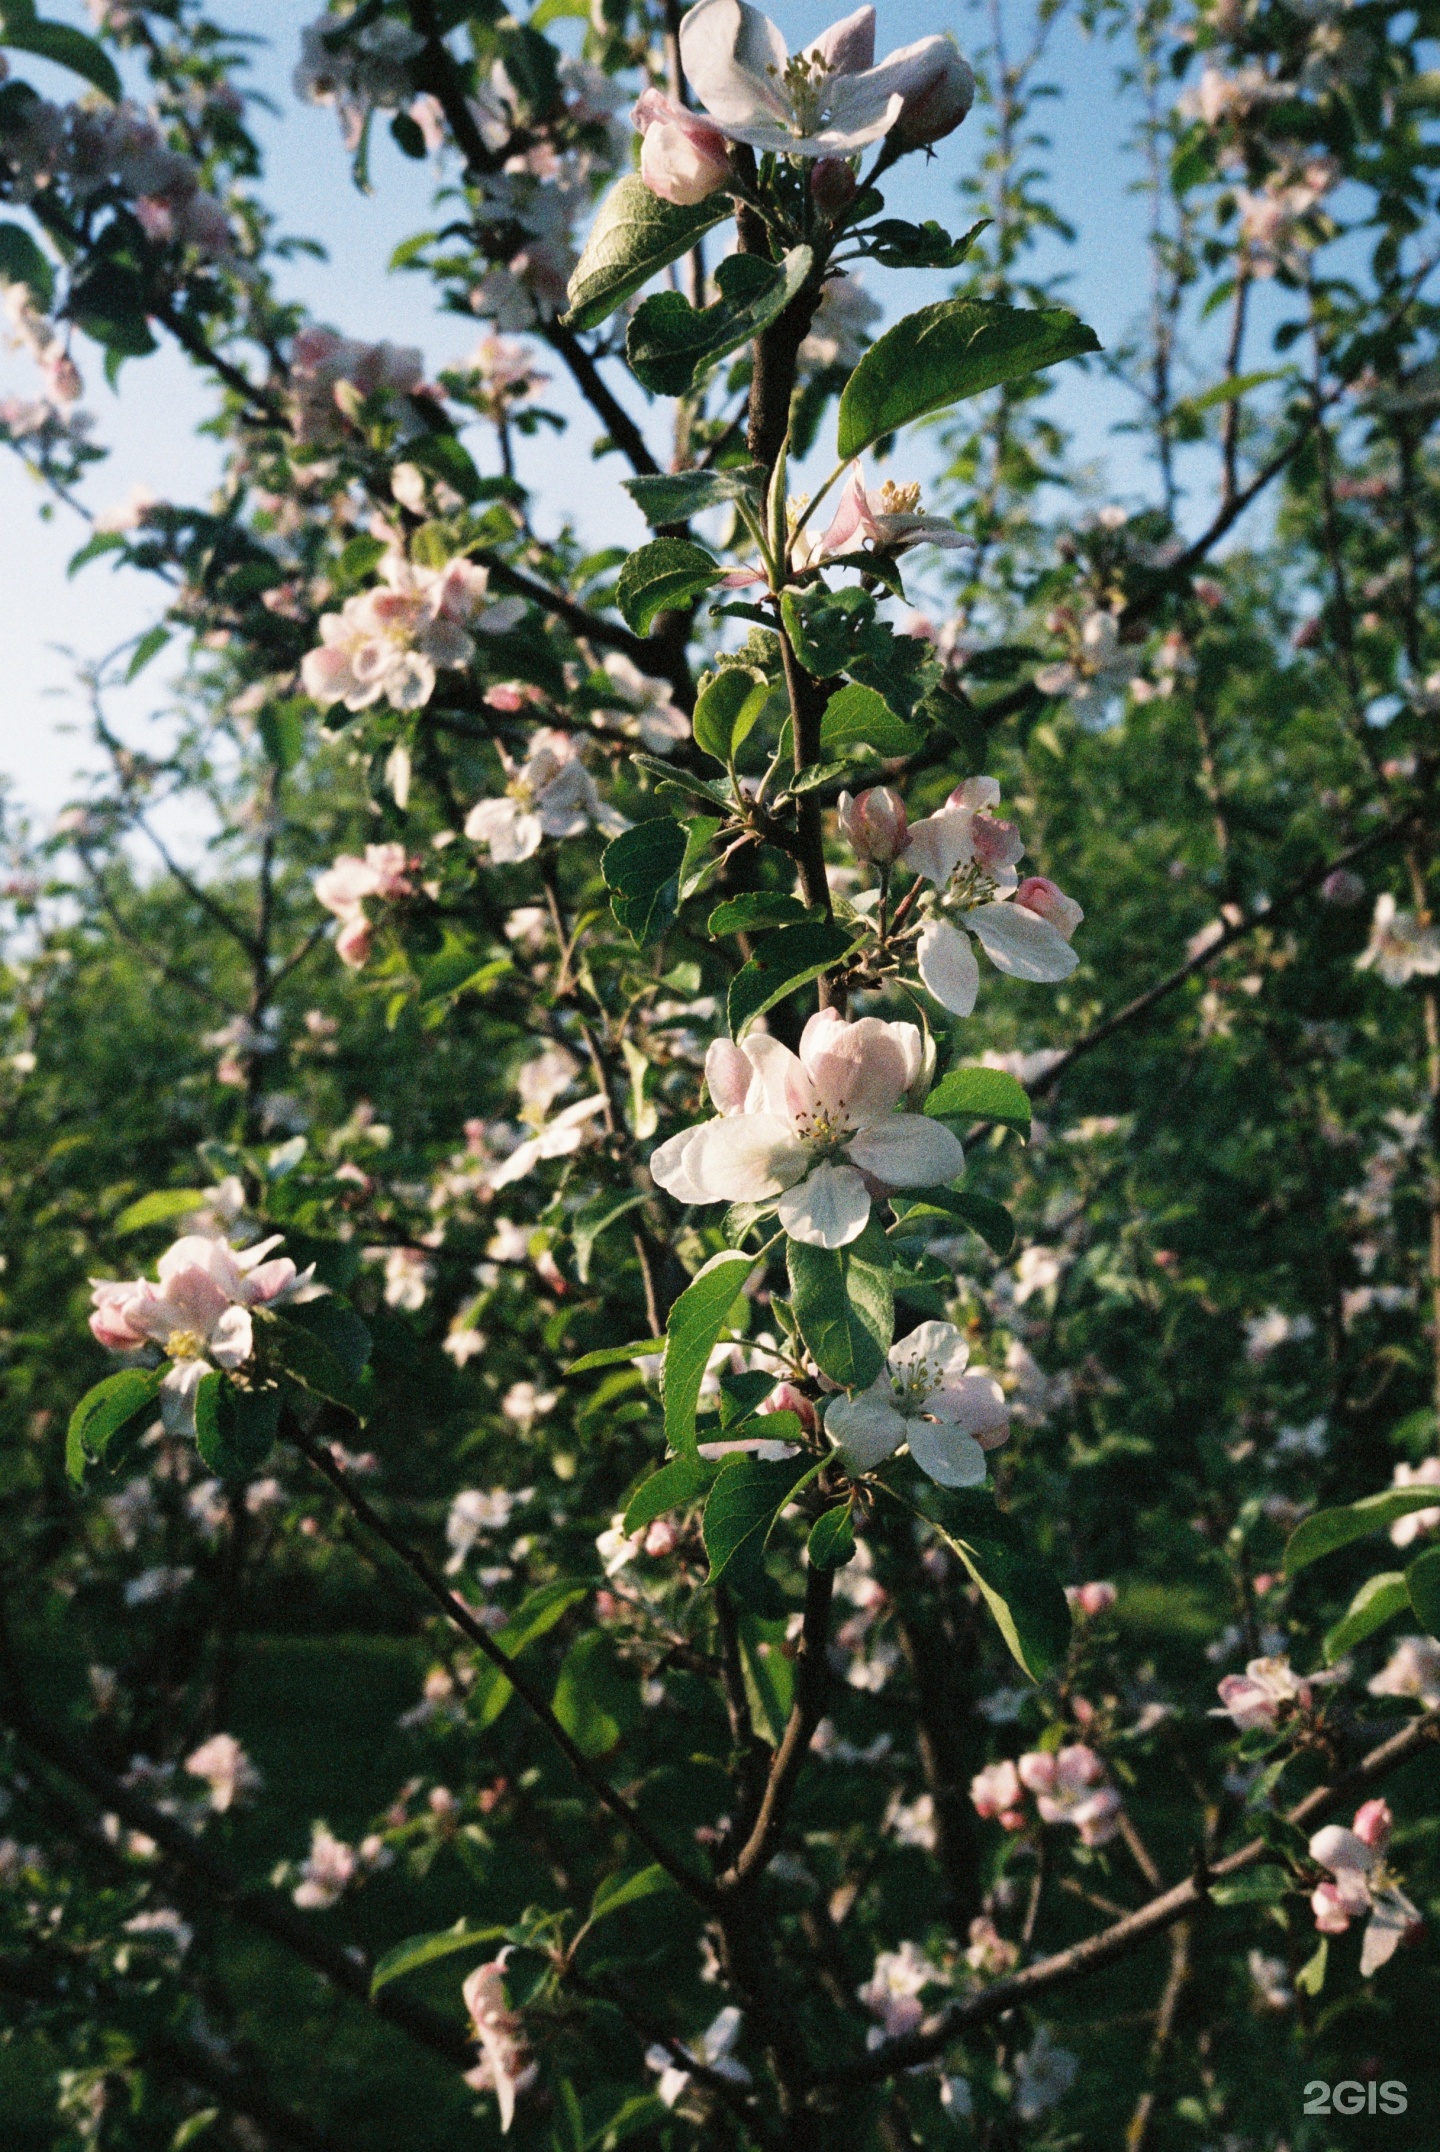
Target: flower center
{"points": [[805, 81], [911, 1386], [521, 791], [185, 1345], [825, 1131], [899, 500]]}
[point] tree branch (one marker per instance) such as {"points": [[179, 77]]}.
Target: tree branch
{"points": [[811, 1680]]}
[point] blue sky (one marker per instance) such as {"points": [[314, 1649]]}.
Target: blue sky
{"points": [[150, 425]]}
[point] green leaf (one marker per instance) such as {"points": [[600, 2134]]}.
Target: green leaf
{"points": [[675, 497], [597, 1218], [642, 872], [1311, 1977], [1332, 1528], [595, 1699], [757, 909], [635, 235], [1422, 1580], [927, 1207], [898, 245], [446, 457], [281, 726], [728, 709], [683, 1480], [744, 1503], [114, 1404], [667, 573], [308, 1360], [616, 1892], [193, 2128], [234, 1429], [974, 1094], [769, 1674], [948, 352], [1263, 1886], [612, 1356], [837, 631], [23, 262], [1378, 1600], [536, 1617], [832, 1538], [67, 48], [151, 643], [700, 863], [691, 1334], [782, 963], [858, 716], [334, 1324], [158, 1208], [669, 341], [408, 1957], [1021, 1591], [844, 1302]]}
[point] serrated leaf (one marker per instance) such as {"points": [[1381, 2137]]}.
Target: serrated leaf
{"points": [[1422, 1581], [642, 873], [753, 912], [1378, 1600], [447, 458], [1021, 1591], [673, 497], [781, 964], [661, 576], [234, 1429], [104, 1411], [421, 1950], [670, 342], [977, 1094], [740, 1515], [691, 1334], [945, 353], [309, 1360], [832, 1538], [1332, 1528], [700, 864], [858, 716], [844, 1303], [929, 1207], [634, 236], [683, 1480], [728, 709]]}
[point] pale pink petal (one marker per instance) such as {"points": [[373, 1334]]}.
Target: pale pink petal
{"points": [[745, 1157], [908, 1151], [865, 1428], [947, 966], [947, 1454], [828, 1209], [1022, 944]]}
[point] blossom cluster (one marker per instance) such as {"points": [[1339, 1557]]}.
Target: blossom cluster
{"points": [[389, 642]]}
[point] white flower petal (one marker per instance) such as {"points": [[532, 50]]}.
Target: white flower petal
{"points": [[1391, 1919], [947, 1454], [734, 59], [668, 1169], [948, 968], [939, 1345], [745, 1157], [828, 1209], [866, 1428], [1021, 943], [233, 1338], [974, 1402], [908, 1151]]}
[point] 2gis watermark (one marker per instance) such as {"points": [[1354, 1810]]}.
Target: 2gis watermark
{"points": [[1350, 2097]]}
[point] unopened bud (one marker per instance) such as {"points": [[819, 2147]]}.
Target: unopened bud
{"points": [[940, 98], [683, 159], [786, 1398], [875, 824], [1042, 896], [1342, 887], [662, 1537], [833, 185]]}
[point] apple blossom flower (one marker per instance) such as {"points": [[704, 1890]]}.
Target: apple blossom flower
{"points": [[1043, 2076], [356, 73], [924, 1396], [1362, 1886], [841, 331], [1257, 1697], [557, 1139], [646, 706], [829, 100], [1068, 1787], [550, 794], [1400, 948], [342, 888], [819, 1130], [226, 1770], [711, 2051], [473, 1514], [327, 1873], [504, 2067], [198, 1313], [390, 641], [1100, 667], [1413, 1669], [322, 362], [683, 159], [997, 1793], [886, 520], [875, 824], [893, 1991]]}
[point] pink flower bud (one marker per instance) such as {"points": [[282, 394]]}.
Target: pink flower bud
{"points": [[1209, 593], [682, 159], [1331, 1915], [833, 186], [1091, 1599], [786, 1398], [938, 101], [352, 943], [875, 824], [1373, 1823], [1039, 895], [662, 1537], [1342, 887]]}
